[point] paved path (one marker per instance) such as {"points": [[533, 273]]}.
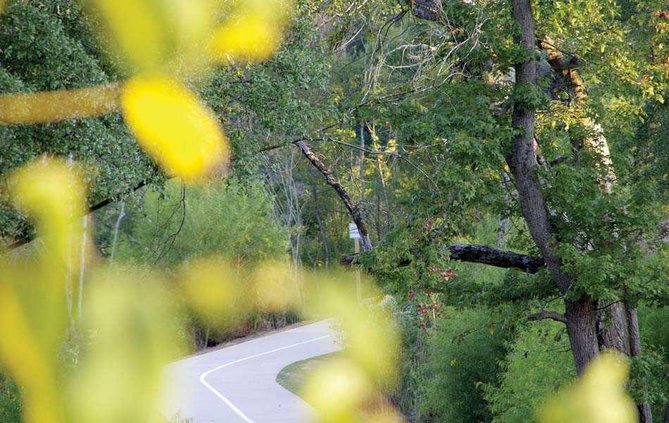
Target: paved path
{"points": [[237, 383]]}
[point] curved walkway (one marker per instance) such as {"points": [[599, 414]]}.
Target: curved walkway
{"points": [[237, 383]]}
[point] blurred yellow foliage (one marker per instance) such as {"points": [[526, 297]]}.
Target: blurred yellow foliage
{"points": [[128, 320], [32, 290], [389, 415], [341, 391], [275, 287], [212, 288], [338, 390], [598, 397], [172, 125], [164, 42], [154, 34], [370, 335], [50, 192], [55, 106], [134, 334], [253, 32]]}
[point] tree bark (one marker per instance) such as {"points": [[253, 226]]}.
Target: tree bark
{"points": [[353, 209], [522, 160], [580, 316], [612, 327], [429, 10], [595, 140]]}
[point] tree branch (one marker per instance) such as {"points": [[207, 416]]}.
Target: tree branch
{"points": [[25, 238], [548, 315], [492, 257], [353, 209]]}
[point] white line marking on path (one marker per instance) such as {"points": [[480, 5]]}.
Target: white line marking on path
{"points": [[229, 403]]}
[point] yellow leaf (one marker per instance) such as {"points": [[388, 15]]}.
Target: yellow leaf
{"points": [[337, 390], [136, 33], [32, 300], [598, 397], [276, 287], [54, 106], [212, 288], [50, 191], [120, 376], [151, 35], [371, 337], [252, 34], [31, 366], [173, 126]]}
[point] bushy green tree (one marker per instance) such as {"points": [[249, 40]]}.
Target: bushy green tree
{"points": [[50, 48], [655, 370], [465, 352], [229, 218], [537, 365]]}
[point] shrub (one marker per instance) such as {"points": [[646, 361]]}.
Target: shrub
{"points": [[539, 362], [10, 401], [229, 218], [464, 354]]}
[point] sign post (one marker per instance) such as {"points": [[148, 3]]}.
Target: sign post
{"points": [[354, 234]]}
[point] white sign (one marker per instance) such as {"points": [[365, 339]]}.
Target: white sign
{"points": [[353, 231]]}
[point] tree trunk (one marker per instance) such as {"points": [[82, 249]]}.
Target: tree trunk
{"points": [[617, 325], [613, 328], [522, 161], [588, 329], [581, 329]]}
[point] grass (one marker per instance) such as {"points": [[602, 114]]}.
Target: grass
{"points": [[292, 377]]}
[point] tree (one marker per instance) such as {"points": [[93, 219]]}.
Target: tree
{"points": [[570, 147], [49, 48]]}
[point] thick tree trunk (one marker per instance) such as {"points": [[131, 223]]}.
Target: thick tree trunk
{"points": [[645, 413], [612, 327], [522, 160], [523, 163], [617, 325], [581, 329]]}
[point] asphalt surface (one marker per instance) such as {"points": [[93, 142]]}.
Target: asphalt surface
{"points": [[237, 383]]}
